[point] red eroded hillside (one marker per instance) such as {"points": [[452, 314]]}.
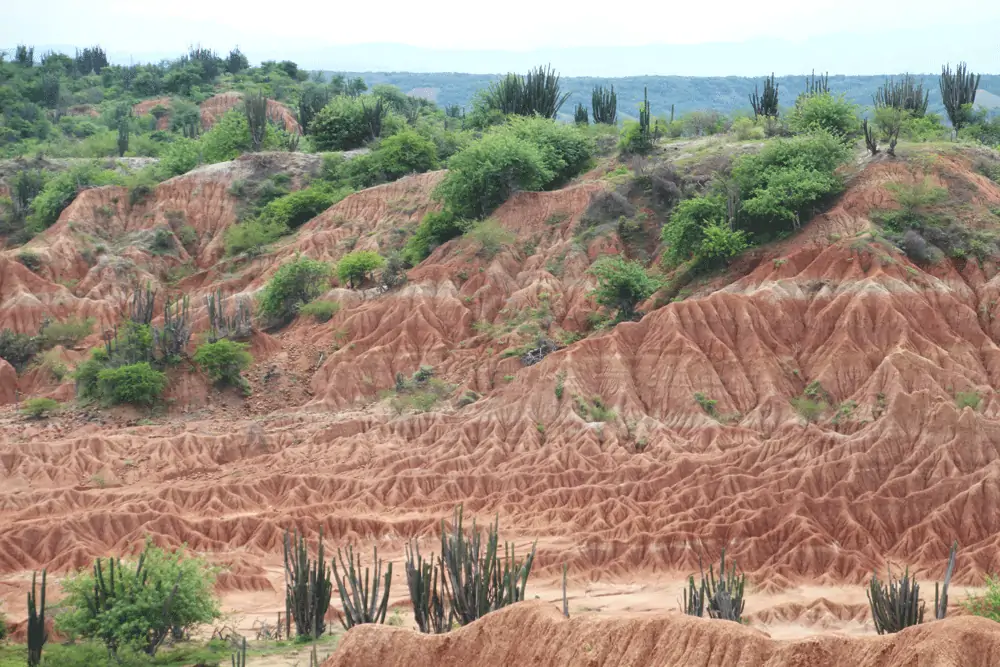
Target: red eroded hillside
{"points": [[894, 470]]}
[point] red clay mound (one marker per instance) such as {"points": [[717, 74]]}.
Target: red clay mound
{"points": [[146, 106], [534, 633], [214, 107], [609, 451]]}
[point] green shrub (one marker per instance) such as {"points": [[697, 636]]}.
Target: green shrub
{"points": [[746, 129], [320, 310], [162, 242], [40, 408], [986, 605], [491, 237], [782, 185], [251, 237], [224, 361], [632, 140], [621, 285], [824, 112], [297, 208], [17, 349], [967, 399], [565, 149], [355, 267], [178, 157], [340, 125], [135, 384], [86, 372], [139, 615], [924, 128], [60, 191], [483, 175], [810, 409], [720, 242], [404, 153], [685, 231], [916, 206], [230, 137], [67, 333], [30, 260], [435, 228], [295, 283], [706, 403]]}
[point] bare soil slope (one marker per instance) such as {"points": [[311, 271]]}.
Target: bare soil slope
{"points": [[893, 471]]}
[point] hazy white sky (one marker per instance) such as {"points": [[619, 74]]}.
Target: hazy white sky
{"points": [[266, 26]]}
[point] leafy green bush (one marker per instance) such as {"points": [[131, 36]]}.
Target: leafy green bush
{"points": [[40, 408], [483, 175], [144, 609], [340, 125], [320, 310], [967, 399], [251, 236], [491, 237], [781, 185], [354, 267], [295, 283], [924, 128], [60, 191], [404, 153], [632, 140], [826, 113], [224, 361], [720, 242], [17, 349], [136, 384], [297, 208], [986, 605], [746, 129], [621, 285], [685, 231], [228, 138], [565, 149], [179, 157], [67, 333], [435, 228], [30, 260]]}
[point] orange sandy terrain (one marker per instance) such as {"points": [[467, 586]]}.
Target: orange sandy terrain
{"points": [[807, 510]]}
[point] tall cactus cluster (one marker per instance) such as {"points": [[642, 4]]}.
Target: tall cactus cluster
{"points": [[905, 95], [37, 634], [604, 105], [373, 115], [895, 604], [141, 305], [124, 125], [765, 105], [255, 108], [471, 575], [581, 117], [958, 91], [537, 92], [307, 587], [234, 325], [722, 595], [360, 600], [173, 336], [817, 85]]}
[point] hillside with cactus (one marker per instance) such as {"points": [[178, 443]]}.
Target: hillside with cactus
{"points": [[292, 347]]}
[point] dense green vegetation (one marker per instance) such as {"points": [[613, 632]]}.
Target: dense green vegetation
{"points": [[725, 95]]}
